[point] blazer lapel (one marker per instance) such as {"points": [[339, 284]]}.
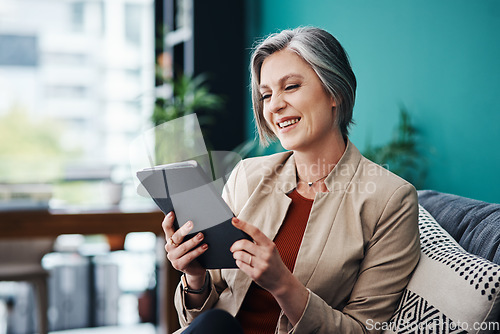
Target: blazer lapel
{"points": [[268, 205], [323, 214]]}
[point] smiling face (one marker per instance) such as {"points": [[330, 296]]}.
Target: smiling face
{"points": [[296, 107]]}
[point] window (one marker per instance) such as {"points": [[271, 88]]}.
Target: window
{"points": [[133, 22], [62, 59], [77, 15], [18, 50], [76, 83]]}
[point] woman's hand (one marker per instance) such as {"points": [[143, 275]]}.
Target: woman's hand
{"points": [[262, 262], [259, 259], [182, 254]]}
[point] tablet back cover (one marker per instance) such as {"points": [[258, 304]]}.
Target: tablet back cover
{"points": [[190, 193]]}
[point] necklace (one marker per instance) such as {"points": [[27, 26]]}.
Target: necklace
{"points": [[310, 183]]}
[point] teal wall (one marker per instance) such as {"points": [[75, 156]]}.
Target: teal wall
{"points": [[440, 58]]}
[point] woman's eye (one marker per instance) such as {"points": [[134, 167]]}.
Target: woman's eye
{"points": [[265, 97], [290, 87]]}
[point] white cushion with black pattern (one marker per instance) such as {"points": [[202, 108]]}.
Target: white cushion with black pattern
{"points": [[451, 291]]}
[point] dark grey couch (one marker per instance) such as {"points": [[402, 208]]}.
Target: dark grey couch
{"points": [[474, 224]]}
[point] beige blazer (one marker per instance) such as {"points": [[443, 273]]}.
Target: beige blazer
{"points": [[359, 249]]}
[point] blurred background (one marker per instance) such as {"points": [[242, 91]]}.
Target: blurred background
{"points": [[81, 79]]}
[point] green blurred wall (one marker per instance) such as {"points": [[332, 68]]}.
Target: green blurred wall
{"points": [[439, 58]]}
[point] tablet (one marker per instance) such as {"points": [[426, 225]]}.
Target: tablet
{"points": [[184, 188]]}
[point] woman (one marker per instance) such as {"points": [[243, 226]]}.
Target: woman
{"points": [[335, 235]]}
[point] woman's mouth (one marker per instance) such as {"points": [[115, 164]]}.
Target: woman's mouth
{"points": [[288, 122]]}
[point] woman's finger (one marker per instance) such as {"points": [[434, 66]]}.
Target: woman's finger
{"points": [[244, 257], [179, 235], [245, 267], [184, 261], [245, 245], [252, 231], [183, 248], [175, 240], [168, 225]]}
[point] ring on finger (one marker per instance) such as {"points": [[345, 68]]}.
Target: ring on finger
{"points": [[250, 263], [173, 242]]}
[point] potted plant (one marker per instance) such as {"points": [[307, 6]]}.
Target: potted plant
{"points": [[401, 154], [177, 137]]}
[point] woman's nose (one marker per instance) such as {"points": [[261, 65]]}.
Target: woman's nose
{"points": [[277, 103]]}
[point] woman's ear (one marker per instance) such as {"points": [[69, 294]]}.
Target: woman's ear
{"points": [[335, 113], [334, 103]]}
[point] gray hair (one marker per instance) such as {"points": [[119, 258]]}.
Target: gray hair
{"points": [[326, 57]]}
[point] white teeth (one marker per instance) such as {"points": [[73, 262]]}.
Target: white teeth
{"points": [[287, 123]]}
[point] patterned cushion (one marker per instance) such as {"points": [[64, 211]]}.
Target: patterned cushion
{"points": [[474, 224], [451, 291]]}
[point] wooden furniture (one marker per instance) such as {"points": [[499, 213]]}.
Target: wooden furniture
{"points": [[20, 260], [14, 225]]}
